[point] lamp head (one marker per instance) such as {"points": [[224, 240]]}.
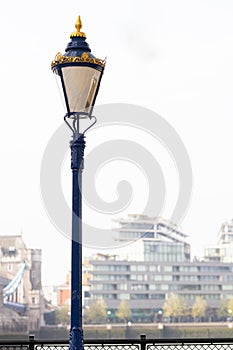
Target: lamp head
{"points": [[80, 74]]}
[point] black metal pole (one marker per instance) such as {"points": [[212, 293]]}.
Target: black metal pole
{"points": [[77, 155]]}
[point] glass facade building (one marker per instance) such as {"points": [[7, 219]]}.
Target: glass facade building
{"points": [[223, 250], [152, 239], [157, 263]]}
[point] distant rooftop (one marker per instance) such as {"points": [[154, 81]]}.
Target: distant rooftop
{"points": [[12, 242], [136, 226]]}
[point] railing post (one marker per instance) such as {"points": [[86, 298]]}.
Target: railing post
{"points": [[31, 342], [143, 341]]}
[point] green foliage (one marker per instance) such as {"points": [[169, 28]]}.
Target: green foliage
{"points": [[123, 311], [97, 312], [175, 306], [183, 308], [199, 307], [222, 311], [62, 315], [230, 306]]}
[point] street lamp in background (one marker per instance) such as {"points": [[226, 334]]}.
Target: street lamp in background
{"points": [[229, 315], [79, 73]]}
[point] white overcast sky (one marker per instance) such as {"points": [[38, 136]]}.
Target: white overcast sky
{"points": [[173, 57]]}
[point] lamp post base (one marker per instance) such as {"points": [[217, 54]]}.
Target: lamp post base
{"points": [[76, 339]]}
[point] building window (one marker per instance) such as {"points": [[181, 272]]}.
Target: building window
{"points": [[109, 287], [139, 296], [153, 268], [158, 287], [168, 268], [109, 296], [124, 296], [158, 296], [141, 268], [227, 287], [133, 268], [139, 286], [138, 277], [122, 268], [176, 268], [122, 286]]}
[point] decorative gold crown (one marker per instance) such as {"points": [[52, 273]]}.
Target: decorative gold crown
{"points": [[59, 59]]}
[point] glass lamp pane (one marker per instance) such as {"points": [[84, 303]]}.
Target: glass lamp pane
{"points": [[81, 84]]}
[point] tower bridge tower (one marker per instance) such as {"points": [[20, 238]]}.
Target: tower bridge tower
{"points": [[20, 277]]}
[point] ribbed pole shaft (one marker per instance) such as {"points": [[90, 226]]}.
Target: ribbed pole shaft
{"points": [[77, 156]]}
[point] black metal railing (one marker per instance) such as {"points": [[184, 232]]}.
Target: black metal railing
{"points": [[142, 343]]}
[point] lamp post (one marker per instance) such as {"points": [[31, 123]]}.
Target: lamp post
{"points": [[80, 74]]}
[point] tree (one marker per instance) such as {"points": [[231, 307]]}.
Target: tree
{"points": [[97, 312], [183, 308], [199, 308], [230, 306], [175, 306], [123, 311], [62, 315], [222, 311]]}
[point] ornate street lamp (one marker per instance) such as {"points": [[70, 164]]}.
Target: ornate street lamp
{"points": [[80, 74]]}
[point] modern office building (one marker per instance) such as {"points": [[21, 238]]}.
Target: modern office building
{"points": [[151, 239], [223, 250], [146, 285], [157, 263]]}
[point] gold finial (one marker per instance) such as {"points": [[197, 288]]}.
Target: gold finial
{"points": [[78, 26]]}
